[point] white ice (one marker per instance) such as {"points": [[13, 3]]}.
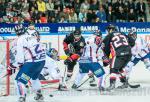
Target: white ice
{"points": [[139, 75]]}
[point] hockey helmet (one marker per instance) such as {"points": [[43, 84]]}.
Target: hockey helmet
{"points": [[53, 53], [98, 38], [98, 33], [132, 34], [111, 27], [31, 26], [77, 34], [19, 29]]}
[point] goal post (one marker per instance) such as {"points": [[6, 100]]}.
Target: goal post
{"points": [[4, 61]]}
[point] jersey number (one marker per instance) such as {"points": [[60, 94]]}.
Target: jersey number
{"points": [[120, 40]]}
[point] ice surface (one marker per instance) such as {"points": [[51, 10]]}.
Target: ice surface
{"points": [[91, 94]]}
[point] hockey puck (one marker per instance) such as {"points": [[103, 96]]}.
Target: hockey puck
{"points": [[50, 95], [79, 90]]}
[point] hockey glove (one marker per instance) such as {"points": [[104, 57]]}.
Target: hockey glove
{"points": [[11, 69], [67, 52], [68, 61], [106, 61]]}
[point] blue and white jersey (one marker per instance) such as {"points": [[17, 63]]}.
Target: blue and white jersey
{"points": [[29, 49], [92, 51], [141, 48]]}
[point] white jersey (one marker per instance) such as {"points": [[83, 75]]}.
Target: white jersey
{"points": [[31, 32], [91, 50], [29, 50], [141, 48], [51, 68]]}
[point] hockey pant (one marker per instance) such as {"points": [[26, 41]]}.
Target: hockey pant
{"points": [[134, 61]]}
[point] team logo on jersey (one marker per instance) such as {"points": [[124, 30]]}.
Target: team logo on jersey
{"points": [[82, 44]]}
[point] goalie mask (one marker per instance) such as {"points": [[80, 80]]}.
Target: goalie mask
{"points": [[132, 34], [53, 53], [98, 37], [19, 29]]}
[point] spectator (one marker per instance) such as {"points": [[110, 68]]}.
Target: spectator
{"points": [[2, 10], [41, 6], [35, 16], [50, 8], [63, 20], [94, 5], [72, 16], [25, 14], [132, 16], [85, 5], [141, 10], [43, 18], [17, 6], [110, 16], [25, 5], [82, 15], [32, 4], [121, 16], [77, 6], [101, 14]]}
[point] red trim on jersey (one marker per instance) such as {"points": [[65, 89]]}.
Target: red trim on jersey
{"points": [[112, 77], [65, 46], [113, 54], [74, 56]]}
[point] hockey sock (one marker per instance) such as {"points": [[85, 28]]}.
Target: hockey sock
{"points": [[79, 77], [100, 81], [36, 85], [21, 89]]}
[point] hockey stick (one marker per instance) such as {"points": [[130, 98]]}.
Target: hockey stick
{"points": [[131, 86], [83, 82]]}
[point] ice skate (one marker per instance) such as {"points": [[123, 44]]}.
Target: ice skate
{"points": [[62, 87], [92, 81], [74, 86], [112, 85], [39, 97], [22, 99], [101, 89], [68, 78]]}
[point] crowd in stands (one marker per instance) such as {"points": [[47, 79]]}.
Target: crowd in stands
{"points": [[72, 11]]}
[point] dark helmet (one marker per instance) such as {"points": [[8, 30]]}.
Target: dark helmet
{"points": [[132, 34], [19, 29], [31, 26], [77, 34], [53, 53], [111, 27], [98, 33], [77, 31]]}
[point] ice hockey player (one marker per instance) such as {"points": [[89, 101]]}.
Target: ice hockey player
{"points": [[73, 45], [119, 46], [89, 61], [32, 31], [51, 69], [140, 52], [30, 59]]}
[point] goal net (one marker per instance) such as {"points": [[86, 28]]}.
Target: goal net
{"points": [[7, 86], [4, 62]]}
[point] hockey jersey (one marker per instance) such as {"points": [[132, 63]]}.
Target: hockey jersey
{"points": [[141, 48], [92, 51], [29, 50]]}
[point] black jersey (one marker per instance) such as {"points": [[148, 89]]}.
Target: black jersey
{"points": [[118, 43], [77, 46]]}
